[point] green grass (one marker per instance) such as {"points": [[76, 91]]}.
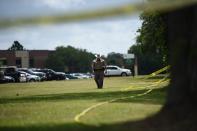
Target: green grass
{"points": [[53, 105]]}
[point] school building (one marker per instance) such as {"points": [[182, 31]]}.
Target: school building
{"points": [[24, 59]]}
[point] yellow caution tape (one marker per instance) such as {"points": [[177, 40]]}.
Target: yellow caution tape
{"points": [[84, 112], [158, 72], [152, 85], [162, 5], [77, 117]]}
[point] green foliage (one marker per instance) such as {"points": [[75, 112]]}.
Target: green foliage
{"points": [[115, 59], [151, 48], [153, 33], [16, 46], [55, 62], [70, 59]]}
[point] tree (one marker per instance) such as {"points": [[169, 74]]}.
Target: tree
{"points": [[151, 46], [115, 59], [182, 37], [179, 112], [152, 35], [16, 46], [73, 59], [55, 62]]}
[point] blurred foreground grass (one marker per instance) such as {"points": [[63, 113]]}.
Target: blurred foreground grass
{"points": [[53, 105]]}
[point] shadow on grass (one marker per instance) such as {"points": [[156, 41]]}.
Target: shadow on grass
{"points": [[165, 120], [48, 127], [99, 96]]}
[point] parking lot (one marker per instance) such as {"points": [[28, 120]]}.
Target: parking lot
{"points": [[14, 74]]}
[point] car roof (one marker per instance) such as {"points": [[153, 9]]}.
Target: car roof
{"points": [[112, 66]]}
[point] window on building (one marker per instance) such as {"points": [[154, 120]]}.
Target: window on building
{"points": [[18, 62], [31, 62], [3, 62]]}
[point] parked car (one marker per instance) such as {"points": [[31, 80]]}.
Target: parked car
{"points": [[89, 75], [5, 79], [31, 78], [112, 70], [69, 76], [1, 75], [52, 75], [11, 71], [23, 77], [9, 79], [30, 71], [80, 75]]}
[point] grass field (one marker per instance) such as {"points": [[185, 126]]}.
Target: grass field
{"points": [[54, 105]]}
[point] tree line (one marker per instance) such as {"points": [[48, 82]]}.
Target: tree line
{"points": [[70, 59]]}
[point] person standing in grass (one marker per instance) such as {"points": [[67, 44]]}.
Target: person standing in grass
{"points": [[98, 67]]}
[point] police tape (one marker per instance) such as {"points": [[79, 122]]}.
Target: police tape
{"points": [[152, 75], [84, 112], [128, 9], [164, 80], [158, 72], [154, 84]]}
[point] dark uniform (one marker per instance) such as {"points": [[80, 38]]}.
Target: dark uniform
{"points": [[98, 66]]}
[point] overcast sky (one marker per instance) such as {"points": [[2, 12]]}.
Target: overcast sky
{"points": [[101, 36]]}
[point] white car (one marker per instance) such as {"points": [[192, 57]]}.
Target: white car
{"points": [[29, 77], [112, 70], [23, 77]]}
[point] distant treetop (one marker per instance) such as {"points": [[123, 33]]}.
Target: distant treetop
{"points": [[16, 46]]}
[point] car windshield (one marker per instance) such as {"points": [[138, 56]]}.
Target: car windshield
{"points": [[27, 74], [30, 71], [112, 68], [52, 71]]}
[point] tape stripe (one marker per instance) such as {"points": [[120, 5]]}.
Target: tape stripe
{"points": [[77, 117], [152, 85], [158, 72], [131, 8]]}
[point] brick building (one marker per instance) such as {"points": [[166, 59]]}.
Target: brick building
{"points": [[24, 59]]}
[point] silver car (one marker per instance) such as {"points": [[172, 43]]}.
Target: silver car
{"points": [[31, 78]]}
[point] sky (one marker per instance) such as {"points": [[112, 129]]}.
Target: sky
{"points": [[96, 36]]}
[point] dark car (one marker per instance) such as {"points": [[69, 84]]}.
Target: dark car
{"points": [[5, 79], [12, 72], [52, 75], [30, 71], [8, 79]]}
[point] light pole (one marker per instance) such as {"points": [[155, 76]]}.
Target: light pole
{"points": [[135, 65]]}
